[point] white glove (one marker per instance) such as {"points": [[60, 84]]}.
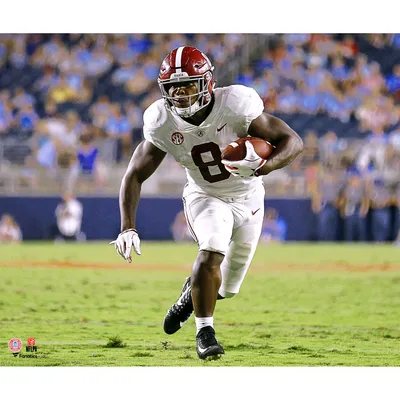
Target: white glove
{"points": [[124, 242], [248, 166]]}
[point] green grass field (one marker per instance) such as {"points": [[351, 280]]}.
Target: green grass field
{"points": [[300, 305]]}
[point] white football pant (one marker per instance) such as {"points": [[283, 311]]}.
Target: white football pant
{"points": [[228, 226]]}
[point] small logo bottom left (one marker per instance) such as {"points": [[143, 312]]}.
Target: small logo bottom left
{"points": [[15, 345]]}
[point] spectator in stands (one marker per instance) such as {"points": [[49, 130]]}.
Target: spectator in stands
{"points": [[354, 205], [288, 100], [99, 63], [381, 199], [51, 52], [89, 168], [45, 82], [394, 139], [394, 40], [21, 98], [310, 102], [297, 39], [179, 228], [393, 82], [138, 85], [134, 114], [151, 65], [311, 150], [274, 227], [150, 97], [378, 40], [10, 232], [124, 73], [56, 140], [27, 118], [328, 147], [246, 77], [29, 174], [374, 80], [361, 67], [325, 203], [373, 151], [324, 44], [69, 219], [348, 47], [6, 118], [17, 55], [62, 92], [118, 129], [139, 43], [121, 51], [391, 166], [100, 111], [339, 70], [371, 115], [74, 127], [3, 52]]}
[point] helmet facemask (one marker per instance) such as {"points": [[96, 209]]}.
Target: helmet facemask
{"points": [[197, 101]]}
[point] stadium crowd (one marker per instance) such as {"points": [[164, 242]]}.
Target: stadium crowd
{"points": [[75, 99], [71, 107]]}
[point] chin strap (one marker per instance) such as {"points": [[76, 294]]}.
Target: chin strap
{"points": [[187, 111]]}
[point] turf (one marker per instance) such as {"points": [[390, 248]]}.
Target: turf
{"points": [[300, 305]]}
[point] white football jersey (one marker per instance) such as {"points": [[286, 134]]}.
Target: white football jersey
{"points": [[198, 148]]}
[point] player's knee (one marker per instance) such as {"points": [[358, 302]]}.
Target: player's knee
{"points": [[214, 244], [209, 259]]}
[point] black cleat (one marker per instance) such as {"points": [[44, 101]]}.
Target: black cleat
{"points": [[207, 346], [180, 311]]}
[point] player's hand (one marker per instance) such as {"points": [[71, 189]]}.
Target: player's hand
{"points": [[248, 166], [125, 241]]}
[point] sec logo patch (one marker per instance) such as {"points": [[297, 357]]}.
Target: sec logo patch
{"points": [[177, 138]]}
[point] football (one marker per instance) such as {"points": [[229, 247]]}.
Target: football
{"points": [[237, 150]]}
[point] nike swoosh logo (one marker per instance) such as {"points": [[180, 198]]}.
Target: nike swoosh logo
{"points": [[219, 129], [253, 212], [179, 301], [201, 350]]}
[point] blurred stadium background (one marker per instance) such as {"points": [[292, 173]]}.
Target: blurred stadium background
{"points": [[71, 110]]}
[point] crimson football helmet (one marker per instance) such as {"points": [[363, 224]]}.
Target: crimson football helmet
{"points": [[187, 64]]}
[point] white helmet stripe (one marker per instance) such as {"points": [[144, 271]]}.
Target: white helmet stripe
{"points": [[178, 59]]}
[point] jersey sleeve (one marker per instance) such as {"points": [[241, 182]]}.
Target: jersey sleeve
{"points": [[245, 105], [153, 120]]}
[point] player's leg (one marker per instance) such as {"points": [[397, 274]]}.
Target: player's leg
{"points": [[210, 222], [206, 218], [205, 282], [243, 245]]}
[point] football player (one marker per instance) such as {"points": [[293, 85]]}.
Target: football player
{"points": [[223, 201]]}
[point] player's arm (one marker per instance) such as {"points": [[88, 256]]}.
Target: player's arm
{"points": [[144, 162], [288, 144]]}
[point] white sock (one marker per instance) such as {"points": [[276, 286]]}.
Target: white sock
{"points": [[201, 322]]}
